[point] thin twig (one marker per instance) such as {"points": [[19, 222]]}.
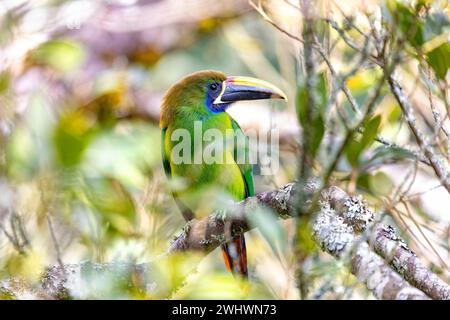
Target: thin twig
{"points": [[261, 11], [55, 241], [407, 110]]}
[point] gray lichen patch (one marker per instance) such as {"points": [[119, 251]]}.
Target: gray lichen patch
{"points": [[18, 288], [212, 240], [391, 242], [312, 185], [219, 215], [58, 280], [331, 231], [283, 198], [389, 233], [208, 242], [385, 283], [357, 213], [220, 238], [184, 232]]}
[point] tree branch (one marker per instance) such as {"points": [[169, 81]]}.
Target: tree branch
{"points": [[343, 228]]}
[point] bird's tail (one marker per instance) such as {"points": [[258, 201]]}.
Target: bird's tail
{"points": [[235, 255]]}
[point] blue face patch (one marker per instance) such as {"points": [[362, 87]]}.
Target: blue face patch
{"points": [[212, 92]]}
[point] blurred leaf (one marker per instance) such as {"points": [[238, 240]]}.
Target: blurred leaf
{"points": [[305, 242], [22, 154], [30, 149], [322, 91], [126, 152], [71, 137], [271, 229], [409, 23], [422, 4], [370, 131], [28, 265], [319, 131], [110, 81], [303, 95], [114, 203], [208, 24], [383, 154], [439, 60], [352, 151], [395, 113], [62, 55], [222, 286], [172, 271], [301, 104], [378, 184], [381, 184], [363, 182], [363, 80], [360, 85], [357, 146], [117, 281], [317, 125], [5, 79], [146, 56], [435, 24]]}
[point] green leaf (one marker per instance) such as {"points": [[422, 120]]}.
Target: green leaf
{"points": [[363, 181], [126, 155], [385, 154], [356, 146], [318, 132], [305, 242], [5, 79], [381, 184], [71, 137], [316, 127], [62, 55], [271, 229], [394, 113], [21, 154], [322, 91], [410, 25], [112, 200], [361, 82], [370, 131], [352, 151], [439, 60], [29, 150], [300, 102]]}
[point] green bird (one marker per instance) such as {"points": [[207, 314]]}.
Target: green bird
{"points": [[191, 107]]}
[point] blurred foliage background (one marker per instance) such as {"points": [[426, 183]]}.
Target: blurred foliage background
{"points": [[81, 177]]}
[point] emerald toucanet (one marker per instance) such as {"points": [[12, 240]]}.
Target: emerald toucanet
{"points": [[199, 101]]}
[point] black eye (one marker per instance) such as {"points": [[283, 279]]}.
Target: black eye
{"points": [[213, 86]]}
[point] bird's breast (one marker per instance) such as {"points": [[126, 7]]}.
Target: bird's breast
{"points": [[205, 169]]}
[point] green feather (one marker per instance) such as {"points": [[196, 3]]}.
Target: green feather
{"points": [[246, 168], [236, 179]]}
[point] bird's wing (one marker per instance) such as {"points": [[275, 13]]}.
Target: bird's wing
{"points": [[234, 252], [187, 213], [165, 159], [245, 168]]}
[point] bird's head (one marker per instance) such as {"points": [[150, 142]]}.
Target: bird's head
{"points": [[209, 92]]}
